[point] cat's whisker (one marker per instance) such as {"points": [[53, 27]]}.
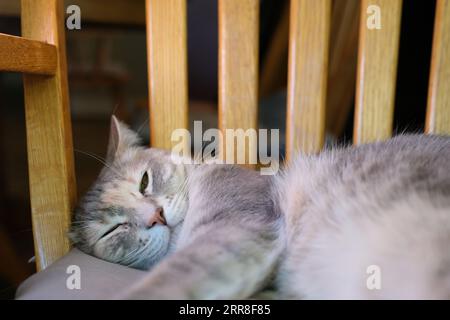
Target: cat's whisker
{"points": [[142, 125], [129, 255], [135, 256], [181, 193], [125, 258], [82, 221], [101, 160]]}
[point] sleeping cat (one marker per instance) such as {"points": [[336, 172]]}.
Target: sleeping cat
{"points": [[313, 231]]}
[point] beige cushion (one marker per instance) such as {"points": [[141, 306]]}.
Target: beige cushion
{"points": [[98, 279]]}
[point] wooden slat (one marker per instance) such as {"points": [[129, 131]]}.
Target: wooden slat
{"points": [[438, 109], [307, 75], [49, 136], [377, 72], [238, 68], [29, 56], [129, 12], [167, 69]]}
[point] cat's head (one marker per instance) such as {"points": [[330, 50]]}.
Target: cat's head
{"points": [[134, 208]]}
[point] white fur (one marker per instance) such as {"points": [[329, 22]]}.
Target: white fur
{"points": [[334, 233]]}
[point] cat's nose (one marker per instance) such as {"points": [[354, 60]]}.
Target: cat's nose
{"points": [[157, 218]]}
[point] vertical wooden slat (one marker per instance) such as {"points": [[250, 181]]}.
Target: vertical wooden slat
{"points": [[49, 135], [438, 109], [167, 69], [238, 66], [377, 72], [307, 75]]}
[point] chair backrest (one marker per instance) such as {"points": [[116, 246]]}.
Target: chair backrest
{"points": [[40, 55]]}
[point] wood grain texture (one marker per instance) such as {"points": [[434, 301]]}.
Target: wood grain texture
{"points": [[167, 69], [49, 136], [238, 70], [438, 108], [128, 12], [307, 75], [23, 55], [377, 72]]}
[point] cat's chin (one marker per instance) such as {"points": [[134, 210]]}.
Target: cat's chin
{"points": [[173, 238]]}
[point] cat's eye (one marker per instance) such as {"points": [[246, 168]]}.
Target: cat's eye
{"points": [[144, 183]]}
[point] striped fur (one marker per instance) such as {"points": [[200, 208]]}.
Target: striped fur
{"points": [[309, 232]]}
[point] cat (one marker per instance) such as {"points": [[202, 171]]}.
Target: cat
{"points": [[314, 230], [204, 220]]}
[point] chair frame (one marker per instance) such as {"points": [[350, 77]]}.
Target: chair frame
{"points": [[40, 55]]}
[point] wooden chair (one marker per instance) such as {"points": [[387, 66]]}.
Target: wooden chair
{"points": [[40, 55]]}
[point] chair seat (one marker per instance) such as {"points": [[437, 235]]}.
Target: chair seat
{"points": [[99, 279]]}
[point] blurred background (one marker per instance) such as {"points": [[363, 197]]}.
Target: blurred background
{"points": [[108, 74]]}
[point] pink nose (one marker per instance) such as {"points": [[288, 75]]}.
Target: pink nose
{"points": [[157, 218]]}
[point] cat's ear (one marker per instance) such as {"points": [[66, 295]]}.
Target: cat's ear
{"points": [[120, 139]]}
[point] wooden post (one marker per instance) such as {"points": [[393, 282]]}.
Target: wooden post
{"points": [[438, 109], [167, 69], [49, 135], [238, 71], [307, 75], [377, 70]]}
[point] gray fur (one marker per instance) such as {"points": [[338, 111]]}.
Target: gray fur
{"points": [[315, 227], [384, 204]]}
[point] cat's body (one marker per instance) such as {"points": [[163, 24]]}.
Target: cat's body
{"points": [[381, 209], [311, 232], [228, 244]]}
